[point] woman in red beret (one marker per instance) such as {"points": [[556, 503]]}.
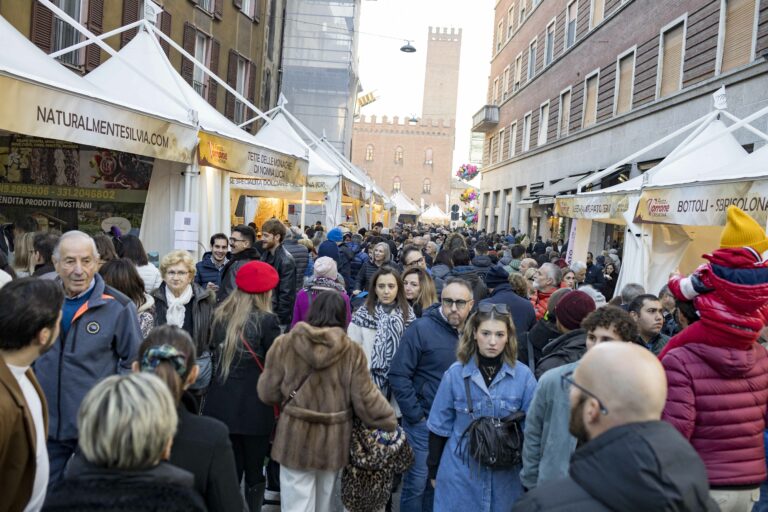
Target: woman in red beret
{"points": [[244, 328]]}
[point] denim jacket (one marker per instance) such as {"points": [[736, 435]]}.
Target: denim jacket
{"points": [[462, 484]]}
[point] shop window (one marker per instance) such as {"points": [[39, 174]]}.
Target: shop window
{"points": [[65, 35], [369, 153], [396, 184], [399, 155], [426, 188]]}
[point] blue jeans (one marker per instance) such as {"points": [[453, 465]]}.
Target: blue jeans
{"points": [[59, 453], [762, 505], [417, 494]]}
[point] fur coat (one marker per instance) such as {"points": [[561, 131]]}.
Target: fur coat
{"points": [[315, 428]]}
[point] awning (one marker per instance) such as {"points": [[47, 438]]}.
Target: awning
{"points": [[527, 202], [547, 194]]}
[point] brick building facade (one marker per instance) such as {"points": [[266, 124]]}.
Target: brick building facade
{"points": [[577, 85]]}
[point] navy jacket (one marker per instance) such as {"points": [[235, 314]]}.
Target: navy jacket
{"points": [[427, 350], [523, 314], [207, 272], [595, 277], [300, 257]]}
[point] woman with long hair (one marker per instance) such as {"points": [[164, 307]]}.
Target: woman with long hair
{"points": [[244, 329], [487, 370], [325, 278], [380, 255], [121, 275], [132, 248], [379, 324], [321, 380], [419, 290], [569, 279], [201, 444], [23, 258], [611, 276]]}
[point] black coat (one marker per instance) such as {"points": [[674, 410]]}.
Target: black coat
{"points": [[300, 256], [235, 401], [230, 271], [540, 335], [638, 467], [568, 348], [595, 278], [523, 314], [201, 446], [346, 256], [285, 293], [364, 276], [200, 306], [88, 488], [483, 264]]}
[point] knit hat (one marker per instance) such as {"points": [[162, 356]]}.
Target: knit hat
{"points": [[330, 249], [326, 267], [573, 308], [335, 235], [496, 276], [554, 300], [741, 230], [256, 277]]}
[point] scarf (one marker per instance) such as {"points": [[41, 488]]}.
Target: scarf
{"points": [[389, 329], [176, 307], [318, 284]]}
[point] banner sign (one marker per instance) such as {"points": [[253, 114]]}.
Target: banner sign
{"points": [[37, 110], [353, 190], [703, 205], [607, 208], [252, 160], [314, 184]]}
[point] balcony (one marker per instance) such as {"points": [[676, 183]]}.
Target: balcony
{"points": [[485, 119]]}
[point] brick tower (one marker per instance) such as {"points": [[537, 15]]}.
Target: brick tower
{"points": [[441, 78]]}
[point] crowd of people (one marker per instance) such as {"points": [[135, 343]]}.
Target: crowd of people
{"points": [[489, 370]]}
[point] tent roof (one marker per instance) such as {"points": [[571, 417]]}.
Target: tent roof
{"points": [[281, 135], [404, 205], [434, 212]]}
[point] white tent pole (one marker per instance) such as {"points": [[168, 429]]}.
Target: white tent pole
{"points": [[188, 187], [712, 116], [749, 127], [100, 37], [303, 206]]}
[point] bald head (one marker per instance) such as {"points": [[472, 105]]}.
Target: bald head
{"points": [[628, 379]]}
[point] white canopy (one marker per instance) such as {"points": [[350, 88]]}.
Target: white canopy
{"points": [[404, 205], [434, 215]]}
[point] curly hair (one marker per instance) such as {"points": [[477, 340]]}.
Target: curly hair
{"points": [[612, 317]]}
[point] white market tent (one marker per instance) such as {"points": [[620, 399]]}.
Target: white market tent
{"points": [[653, 248], [404, 205], [434, 215]]}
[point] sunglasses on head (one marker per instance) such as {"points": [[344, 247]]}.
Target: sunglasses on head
{"points": [[487, 307]]}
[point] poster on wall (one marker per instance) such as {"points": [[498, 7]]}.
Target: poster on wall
{"points": [[68, 186]]}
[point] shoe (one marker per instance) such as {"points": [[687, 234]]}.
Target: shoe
{"points": [[271, 497], [255, 497]]}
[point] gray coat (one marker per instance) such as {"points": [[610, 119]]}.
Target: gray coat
{"points": [[300, 257]]}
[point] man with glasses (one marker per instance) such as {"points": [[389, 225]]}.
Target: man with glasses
{"points": [[427, 350], [548, 445], [241, 245], [628, 459]]}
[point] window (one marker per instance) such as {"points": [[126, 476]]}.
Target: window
{"points": [[671, 60], [396, 184], [499, 35], [571, 15], [426, 188], [543, 124], [369, 153], [506, 83], [399, 155], [625, 77], [501, 144], [532, 59], [493, 150], [518, 72], [248, 7], [65, 35], [527, 132], [510, 19], [495, 92], [522, 12], [512, 139], [206, 5], [737, 33], [240, 86], [597, 13], [202, 52], [564, 114], [590, 100], [549, 44], [428, 156]]}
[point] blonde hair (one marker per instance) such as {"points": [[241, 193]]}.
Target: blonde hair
{"points": [[468, 342], [233, 314], [176, 257], [427, 291], [22, 259], [387, 251], [127, 421]]}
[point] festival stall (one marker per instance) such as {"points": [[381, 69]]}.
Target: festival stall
{"points": [[434, 215], [406, 210], [72, 154]]}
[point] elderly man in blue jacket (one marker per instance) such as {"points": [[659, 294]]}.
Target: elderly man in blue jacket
{"points": [[427, 350], [99, 337]]}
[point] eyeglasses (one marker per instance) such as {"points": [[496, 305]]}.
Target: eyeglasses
{"points": [[175, 273], [567, 381], [233, 241], [416, 262], [487, 307], [460, 304]]}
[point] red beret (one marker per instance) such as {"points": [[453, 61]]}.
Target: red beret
{"points": [[256, 277]]}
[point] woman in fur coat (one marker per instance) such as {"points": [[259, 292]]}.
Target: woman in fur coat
{"points": [[321, 379]]}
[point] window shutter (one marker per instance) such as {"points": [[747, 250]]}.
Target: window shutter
{"points": [[252, 81], [238, 3], [95, 23], [739, 25], [130, 14], [165, 28], [218, 9], [624, 91], [42, 27], [598, 11], [565, 113], [590, 102], [229, 103], [188, 43], [213, 87], [671, 61]]}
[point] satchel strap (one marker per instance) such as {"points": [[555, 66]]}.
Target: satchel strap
{"points": [[292, 394], [275, 409]]}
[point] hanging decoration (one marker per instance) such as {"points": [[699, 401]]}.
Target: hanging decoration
{"points": [[469, 195], [467, 172], [470, 215]]}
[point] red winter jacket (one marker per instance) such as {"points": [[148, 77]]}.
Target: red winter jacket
{"points": [[717, 400]]}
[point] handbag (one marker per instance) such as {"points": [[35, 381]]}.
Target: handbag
{"points": [[205, 363], [494, 442]]}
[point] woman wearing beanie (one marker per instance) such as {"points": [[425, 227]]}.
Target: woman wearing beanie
{"points": [[326, 278], [243, 330], [379, 325], [321, 380], [201, 445]]}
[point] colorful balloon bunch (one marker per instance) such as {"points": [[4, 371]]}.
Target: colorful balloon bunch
{"points": [[469, 195], [470, 215], [467, 172]]}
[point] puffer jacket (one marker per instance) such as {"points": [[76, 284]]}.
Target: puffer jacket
{"points": [[285, 293], [207, 272], [300, 257], [717, 398]]}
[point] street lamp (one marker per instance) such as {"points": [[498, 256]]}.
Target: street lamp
{"points": [[407, 47]]}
